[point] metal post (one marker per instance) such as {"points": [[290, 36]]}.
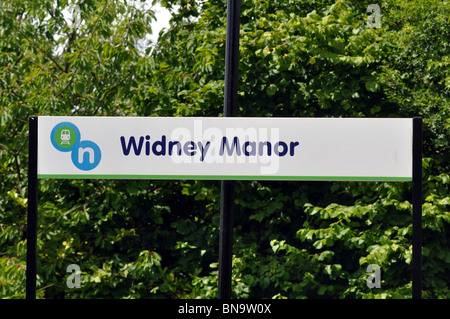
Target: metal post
{"points": [[417, 209], [230, 110], [32, 209], [226, 239], [232, 58]]}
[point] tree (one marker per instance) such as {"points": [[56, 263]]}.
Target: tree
{"points": [[321, 59], [51, 65], [159, 239]]}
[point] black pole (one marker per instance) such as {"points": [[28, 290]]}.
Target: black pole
{"points": [[417, 209], [229, 110], [32, 209], [226, 239], [232, 58]]}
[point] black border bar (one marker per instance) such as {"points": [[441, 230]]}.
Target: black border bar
{"points": [[32, 208], [417, 209]]}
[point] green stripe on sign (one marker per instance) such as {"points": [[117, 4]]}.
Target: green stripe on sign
{"points": [[232, 177]]}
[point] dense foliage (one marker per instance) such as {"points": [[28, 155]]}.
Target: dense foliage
{"points": [[159, 239]]}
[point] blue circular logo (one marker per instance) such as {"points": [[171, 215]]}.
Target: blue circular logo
{"points": [[66, 137], [86, 156]]}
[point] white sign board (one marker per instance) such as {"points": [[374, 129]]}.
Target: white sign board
{"points": [[346, 149]]}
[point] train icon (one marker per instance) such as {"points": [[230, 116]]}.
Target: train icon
{"points": [[65, 137]]}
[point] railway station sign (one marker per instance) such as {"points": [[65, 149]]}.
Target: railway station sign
{"points": [[346, 149]]}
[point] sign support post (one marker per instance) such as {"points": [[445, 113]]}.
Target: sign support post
{"points": [[32, 209], [227, 186], [417, 209]]}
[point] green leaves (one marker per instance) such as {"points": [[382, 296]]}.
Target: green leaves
{"points": [[158, 239]]}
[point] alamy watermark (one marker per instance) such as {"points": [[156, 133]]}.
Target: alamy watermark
{"points": [[374, 20], [374, 280], [73, 16], [235, 145], [73, 281]]}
